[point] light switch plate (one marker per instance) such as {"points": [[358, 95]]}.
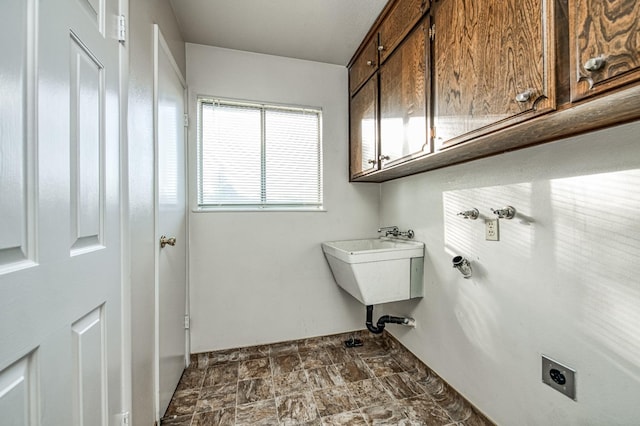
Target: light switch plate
{"points": [[559, 376], [491, 230]]}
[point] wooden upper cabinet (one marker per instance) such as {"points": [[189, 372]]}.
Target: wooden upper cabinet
{"points": [[363, 137], [363, 66], [403, 96], [494, 65], [397, 24], [605, 45]]}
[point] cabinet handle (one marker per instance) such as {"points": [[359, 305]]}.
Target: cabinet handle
{"points": [[371, 63], [524, 96], [384, 157], [594, 64], [372, 161], [381, 48]]}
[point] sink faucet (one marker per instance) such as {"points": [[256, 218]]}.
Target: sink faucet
{"points": [[390, 230], [393, 230]]}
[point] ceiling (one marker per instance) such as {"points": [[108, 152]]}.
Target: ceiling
{"points": [[317, 30]]}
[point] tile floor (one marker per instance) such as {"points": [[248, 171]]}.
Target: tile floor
{"points": [[316, 382]]}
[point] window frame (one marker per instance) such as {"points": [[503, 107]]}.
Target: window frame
{"points": [[263, 206]]}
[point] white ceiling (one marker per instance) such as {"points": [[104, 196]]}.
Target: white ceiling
{"points": [[318, 30]]}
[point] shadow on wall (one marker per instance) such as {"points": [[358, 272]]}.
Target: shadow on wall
{"points": [[568, 255]]}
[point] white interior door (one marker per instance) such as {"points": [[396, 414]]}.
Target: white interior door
{"points": [[171, 278], [60, 307]]}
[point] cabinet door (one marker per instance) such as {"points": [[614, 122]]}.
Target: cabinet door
{"points": [[403, 95], [605, 45], [364, 65], [398, 22], [363, 129], [494, 66]]}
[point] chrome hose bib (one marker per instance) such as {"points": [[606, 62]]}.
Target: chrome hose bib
{"points": [[462, 265]]}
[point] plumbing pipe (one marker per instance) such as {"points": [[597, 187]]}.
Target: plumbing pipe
{"points": [[379, 327]]}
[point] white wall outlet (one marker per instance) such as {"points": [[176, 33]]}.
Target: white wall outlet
{"points": [[491, 230]]}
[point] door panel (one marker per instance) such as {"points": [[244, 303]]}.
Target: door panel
{"points": [[403, 98], [171, 210], [605, 31], [17, 111], [60, 306], [18, 398], [493, 66], [397, 24], [364, 129], [364, 66], [86, 165], [88, 354]]}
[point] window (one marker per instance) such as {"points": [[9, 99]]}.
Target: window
{"points": [[258, 156]]}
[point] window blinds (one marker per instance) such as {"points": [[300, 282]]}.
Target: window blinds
{"points": [[258, 156]]}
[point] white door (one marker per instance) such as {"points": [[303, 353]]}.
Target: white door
{"points": [[171, 271], [60, 308]]}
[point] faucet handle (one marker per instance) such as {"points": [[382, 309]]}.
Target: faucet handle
{"points": [[409, 233], [506, 213], [470, 214]]}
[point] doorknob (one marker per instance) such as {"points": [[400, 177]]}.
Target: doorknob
{"points": [[164, 241]]}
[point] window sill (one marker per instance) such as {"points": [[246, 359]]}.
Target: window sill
{"points": [[257, 209]]}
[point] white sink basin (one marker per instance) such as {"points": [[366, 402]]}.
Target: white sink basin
{"points": [[377, 270], [373, 249]]}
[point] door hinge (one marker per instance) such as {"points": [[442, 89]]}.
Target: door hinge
{"points": [[186, 120], [125, 419], [432, 32], [187, 322], [122, 29]]}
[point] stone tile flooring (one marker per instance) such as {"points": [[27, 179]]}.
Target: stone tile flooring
{"points": [[316, 382]]}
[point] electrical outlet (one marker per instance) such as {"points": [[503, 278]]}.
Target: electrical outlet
{"points": [[491, 230], [558, 376]]}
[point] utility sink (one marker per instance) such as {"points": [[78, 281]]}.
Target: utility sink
{"points": [[377, 270]]}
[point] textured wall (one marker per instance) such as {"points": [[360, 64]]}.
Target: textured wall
{"points": [[261, 277], [560, 281]]}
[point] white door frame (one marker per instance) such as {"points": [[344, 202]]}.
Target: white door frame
{"points": [[126, 358], [159, 42]]}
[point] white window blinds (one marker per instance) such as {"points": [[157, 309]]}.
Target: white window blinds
{"points": [[258, 156]]}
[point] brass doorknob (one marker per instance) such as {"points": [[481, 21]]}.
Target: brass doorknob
{"points": [[167, 241]]}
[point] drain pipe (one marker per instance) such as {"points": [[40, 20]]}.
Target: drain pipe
{"points": [[379, 327]]}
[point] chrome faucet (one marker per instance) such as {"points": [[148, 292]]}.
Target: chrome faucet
{"points": [[394, 231]]}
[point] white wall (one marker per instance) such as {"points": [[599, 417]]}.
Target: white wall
{"points": [[143, 14], [561, 281], [260, 277]]}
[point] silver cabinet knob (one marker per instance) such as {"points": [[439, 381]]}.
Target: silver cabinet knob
{"points": [[371, 63], [384, 157], [167, 241], [594, 64], [524, 96], [381, 48], [371, 161]]}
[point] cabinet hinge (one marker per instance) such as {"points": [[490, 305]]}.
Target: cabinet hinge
{"points": [[187, 322], [432, 32], [186, 120], [122, 29]]}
